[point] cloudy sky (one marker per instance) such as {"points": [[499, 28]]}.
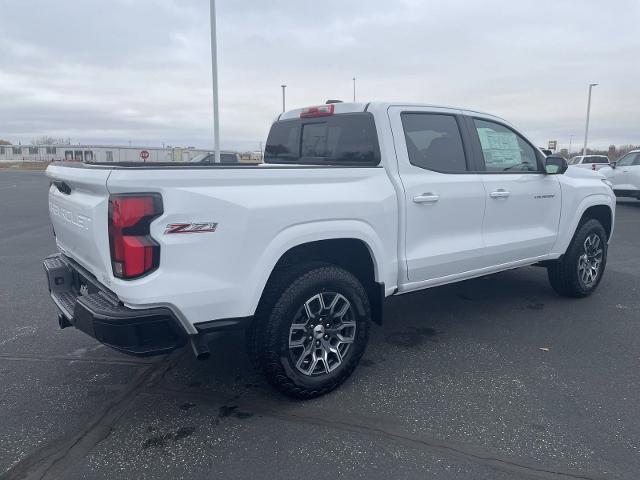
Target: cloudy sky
{"points": [[115, 71]]}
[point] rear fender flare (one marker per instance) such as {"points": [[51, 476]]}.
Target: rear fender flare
{"points": [[301, 234]]}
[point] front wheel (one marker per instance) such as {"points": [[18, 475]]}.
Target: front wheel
{"points": [[316, 333], [580, 270]]}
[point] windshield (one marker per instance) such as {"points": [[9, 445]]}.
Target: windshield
{"points": [[209, 157], [200, 158], [632, 158]]}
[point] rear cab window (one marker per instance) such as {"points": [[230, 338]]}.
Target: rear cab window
{"points": [[342, 139], [596, 159]]}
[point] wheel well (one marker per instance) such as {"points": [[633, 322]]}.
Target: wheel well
{"points": [[349, 253], [602, 213]]}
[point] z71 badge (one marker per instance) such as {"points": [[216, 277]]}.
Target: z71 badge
{"points": [[190, 228]]}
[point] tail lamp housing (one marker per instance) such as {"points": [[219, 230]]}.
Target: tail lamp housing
{"points": [[319, 111], [133, 252]]}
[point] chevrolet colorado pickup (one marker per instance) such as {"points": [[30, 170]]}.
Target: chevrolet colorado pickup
{"points": [[355, 202]]}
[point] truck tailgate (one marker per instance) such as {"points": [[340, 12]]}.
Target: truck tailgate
{"points": [[78, 207]]}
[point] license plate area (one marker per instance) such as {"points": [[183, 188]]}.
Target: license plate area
{"points": [[68, 282], [81, 285]]}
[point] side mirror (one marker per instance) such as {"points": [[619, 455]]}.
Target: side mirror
{"points": [[555, 165], [613, 164]]}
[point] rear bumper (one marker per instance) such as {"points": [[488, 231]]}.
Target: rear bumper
{"points": [[87, 306]]}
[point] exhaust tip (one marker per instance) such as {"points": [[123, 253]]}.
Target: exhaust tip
{"points": [[63, 322], [200, 347], [203, 356]]}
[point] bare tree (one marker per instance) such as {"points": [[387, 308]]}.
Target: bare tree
{"points": [[44, 140], [47, 140]]}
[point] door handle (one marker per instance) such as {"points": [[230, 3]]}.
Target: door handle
{"points": [[500, 193], [426, 198]]}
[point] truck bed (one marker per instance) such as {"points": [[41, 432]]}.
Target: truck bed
{"points": [[206, 166]]}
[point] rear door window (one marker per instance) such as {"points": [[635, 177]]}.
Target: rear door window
{"points": [[345, 139], [434, 142]]}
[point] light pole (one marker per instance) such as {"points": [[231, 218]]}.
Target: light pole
{"points": [[214, 79], [586, 130], [354, 89], [570, 142], [283, 98]]}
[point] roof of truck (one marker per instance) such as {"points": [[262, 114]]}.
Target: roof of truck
{"points": [[353, 107]]}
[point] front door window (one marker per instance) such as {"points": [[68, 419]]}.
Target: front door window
{"points": [[504, 150]]}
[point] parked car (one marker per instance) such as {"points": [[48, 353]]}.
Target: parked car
{"points": [[355, 203], [624, 174], [593, 162], [210, 157]]}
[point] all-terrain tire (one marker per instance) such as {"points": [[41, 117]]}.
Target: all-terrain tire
{"points": [[564, 273], [271, 334]]}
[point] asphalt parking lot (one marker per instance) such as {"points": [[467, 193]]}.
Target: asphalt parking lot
{"points": [[456, 384]]}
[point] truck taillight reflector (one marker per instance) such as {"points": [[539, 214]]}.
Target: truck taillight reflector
{"points": [[319, 111], [133, 252]]}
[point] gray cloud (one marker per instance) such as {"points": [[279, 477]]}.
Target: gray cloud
{"points": [[120, 70]]}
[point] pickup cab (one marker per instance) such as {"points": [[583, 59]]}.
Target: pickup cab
{"points": [[355, 202]]}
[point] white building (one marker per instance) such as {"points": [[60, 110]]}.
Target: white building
{"points": [[95, 153]]}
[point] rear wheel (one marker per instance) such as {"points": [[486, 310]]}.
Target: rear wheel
{"points": [[314, 336], [580, 270]]}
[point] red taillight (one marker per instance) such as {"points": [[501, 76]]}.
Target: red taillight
{"points": [[133, 252], [319, 111]]}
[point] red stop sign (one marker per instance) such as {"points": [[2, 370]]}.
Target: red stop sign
{"points": [[144, 154]]}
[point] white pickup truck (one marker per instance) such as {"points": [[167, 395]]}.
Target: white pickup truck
{"points": [[593, 162], [356, 202]]}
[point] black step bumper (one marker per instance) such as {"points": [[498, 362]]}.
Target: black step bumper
{"points": [[84, 304]]}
